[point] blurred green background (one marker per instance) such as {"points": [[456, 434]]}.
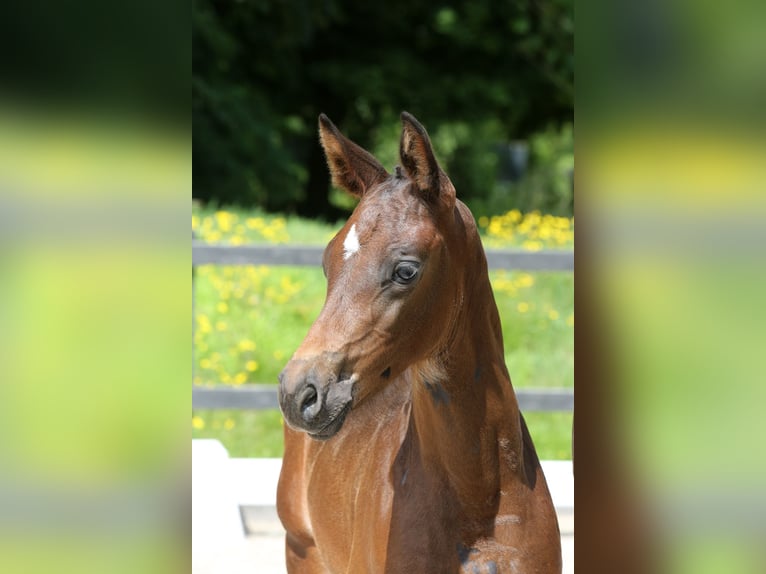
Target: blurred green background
{"points": [[491, 81]]}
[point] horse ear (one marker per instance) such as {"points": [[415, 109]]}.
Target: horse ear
{"points": [[352, 168], [420, 163]]}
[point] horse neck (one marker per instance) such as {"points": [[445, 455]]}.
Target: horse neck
{"points": [[464, 412]]}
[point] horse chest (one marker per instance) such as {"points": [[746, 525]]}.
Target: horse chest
{"points": [[384, 506], [347, 488]]}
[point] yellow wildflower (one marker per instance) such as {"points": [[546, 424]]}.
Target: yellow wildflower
{"points": [[522, 307], [251, 366], [222, 307], [553, 314], [269, 233], [254, 222], [246, 345], [228, 424], [224, 219], [212, 236], [525, 280], [198, 423], [203, 323], [240, 378], [532, 245]]}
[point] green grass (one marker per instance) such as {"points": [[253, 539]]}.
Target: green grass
{"points": [[258, 227], [537, 315], [257, 314], [245, 433], [251, 319]]}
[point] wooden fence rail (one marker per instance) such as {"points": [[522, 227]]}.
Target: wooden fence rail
{"points": [[209, 254], [265, 396]]}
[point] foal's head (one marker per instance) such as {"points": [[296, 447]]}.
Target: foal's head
{"points": [[394, 273]]}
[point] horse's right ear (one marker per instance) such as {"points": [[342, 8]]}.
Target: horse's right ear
{"points": [[352, 168], [420, 163]]}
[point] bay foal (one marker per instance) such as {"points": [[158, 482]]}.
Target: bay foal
{"points": [[405, 451]]}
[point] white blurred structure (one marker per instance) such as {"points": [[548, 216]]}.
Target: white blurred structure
{"points": [[216, 521], [235, 528]]}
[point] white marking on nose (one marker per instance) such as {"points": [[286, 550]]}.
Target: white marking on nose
{"points": [[351, 243]]}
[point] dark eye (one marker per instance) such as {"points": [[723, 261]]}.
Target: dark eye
{"points": [[405, 272]]}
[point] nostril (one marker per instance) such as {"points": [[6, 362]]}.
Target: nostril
{"points": [[308, 402]]}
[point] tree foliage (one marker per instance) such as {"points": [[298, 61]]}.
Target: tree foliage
{"points": [[474, 72]]}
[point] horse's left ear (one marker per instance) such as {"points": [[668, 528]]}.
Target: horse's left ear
{"points": [[420, 163]]}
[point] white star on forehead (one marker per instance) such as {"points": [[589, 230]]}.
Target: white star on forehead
{"points": [[351, 243]]}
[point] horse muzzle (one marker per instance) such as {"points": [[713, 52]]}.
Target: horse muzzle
{"points": [[314, 397]]}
